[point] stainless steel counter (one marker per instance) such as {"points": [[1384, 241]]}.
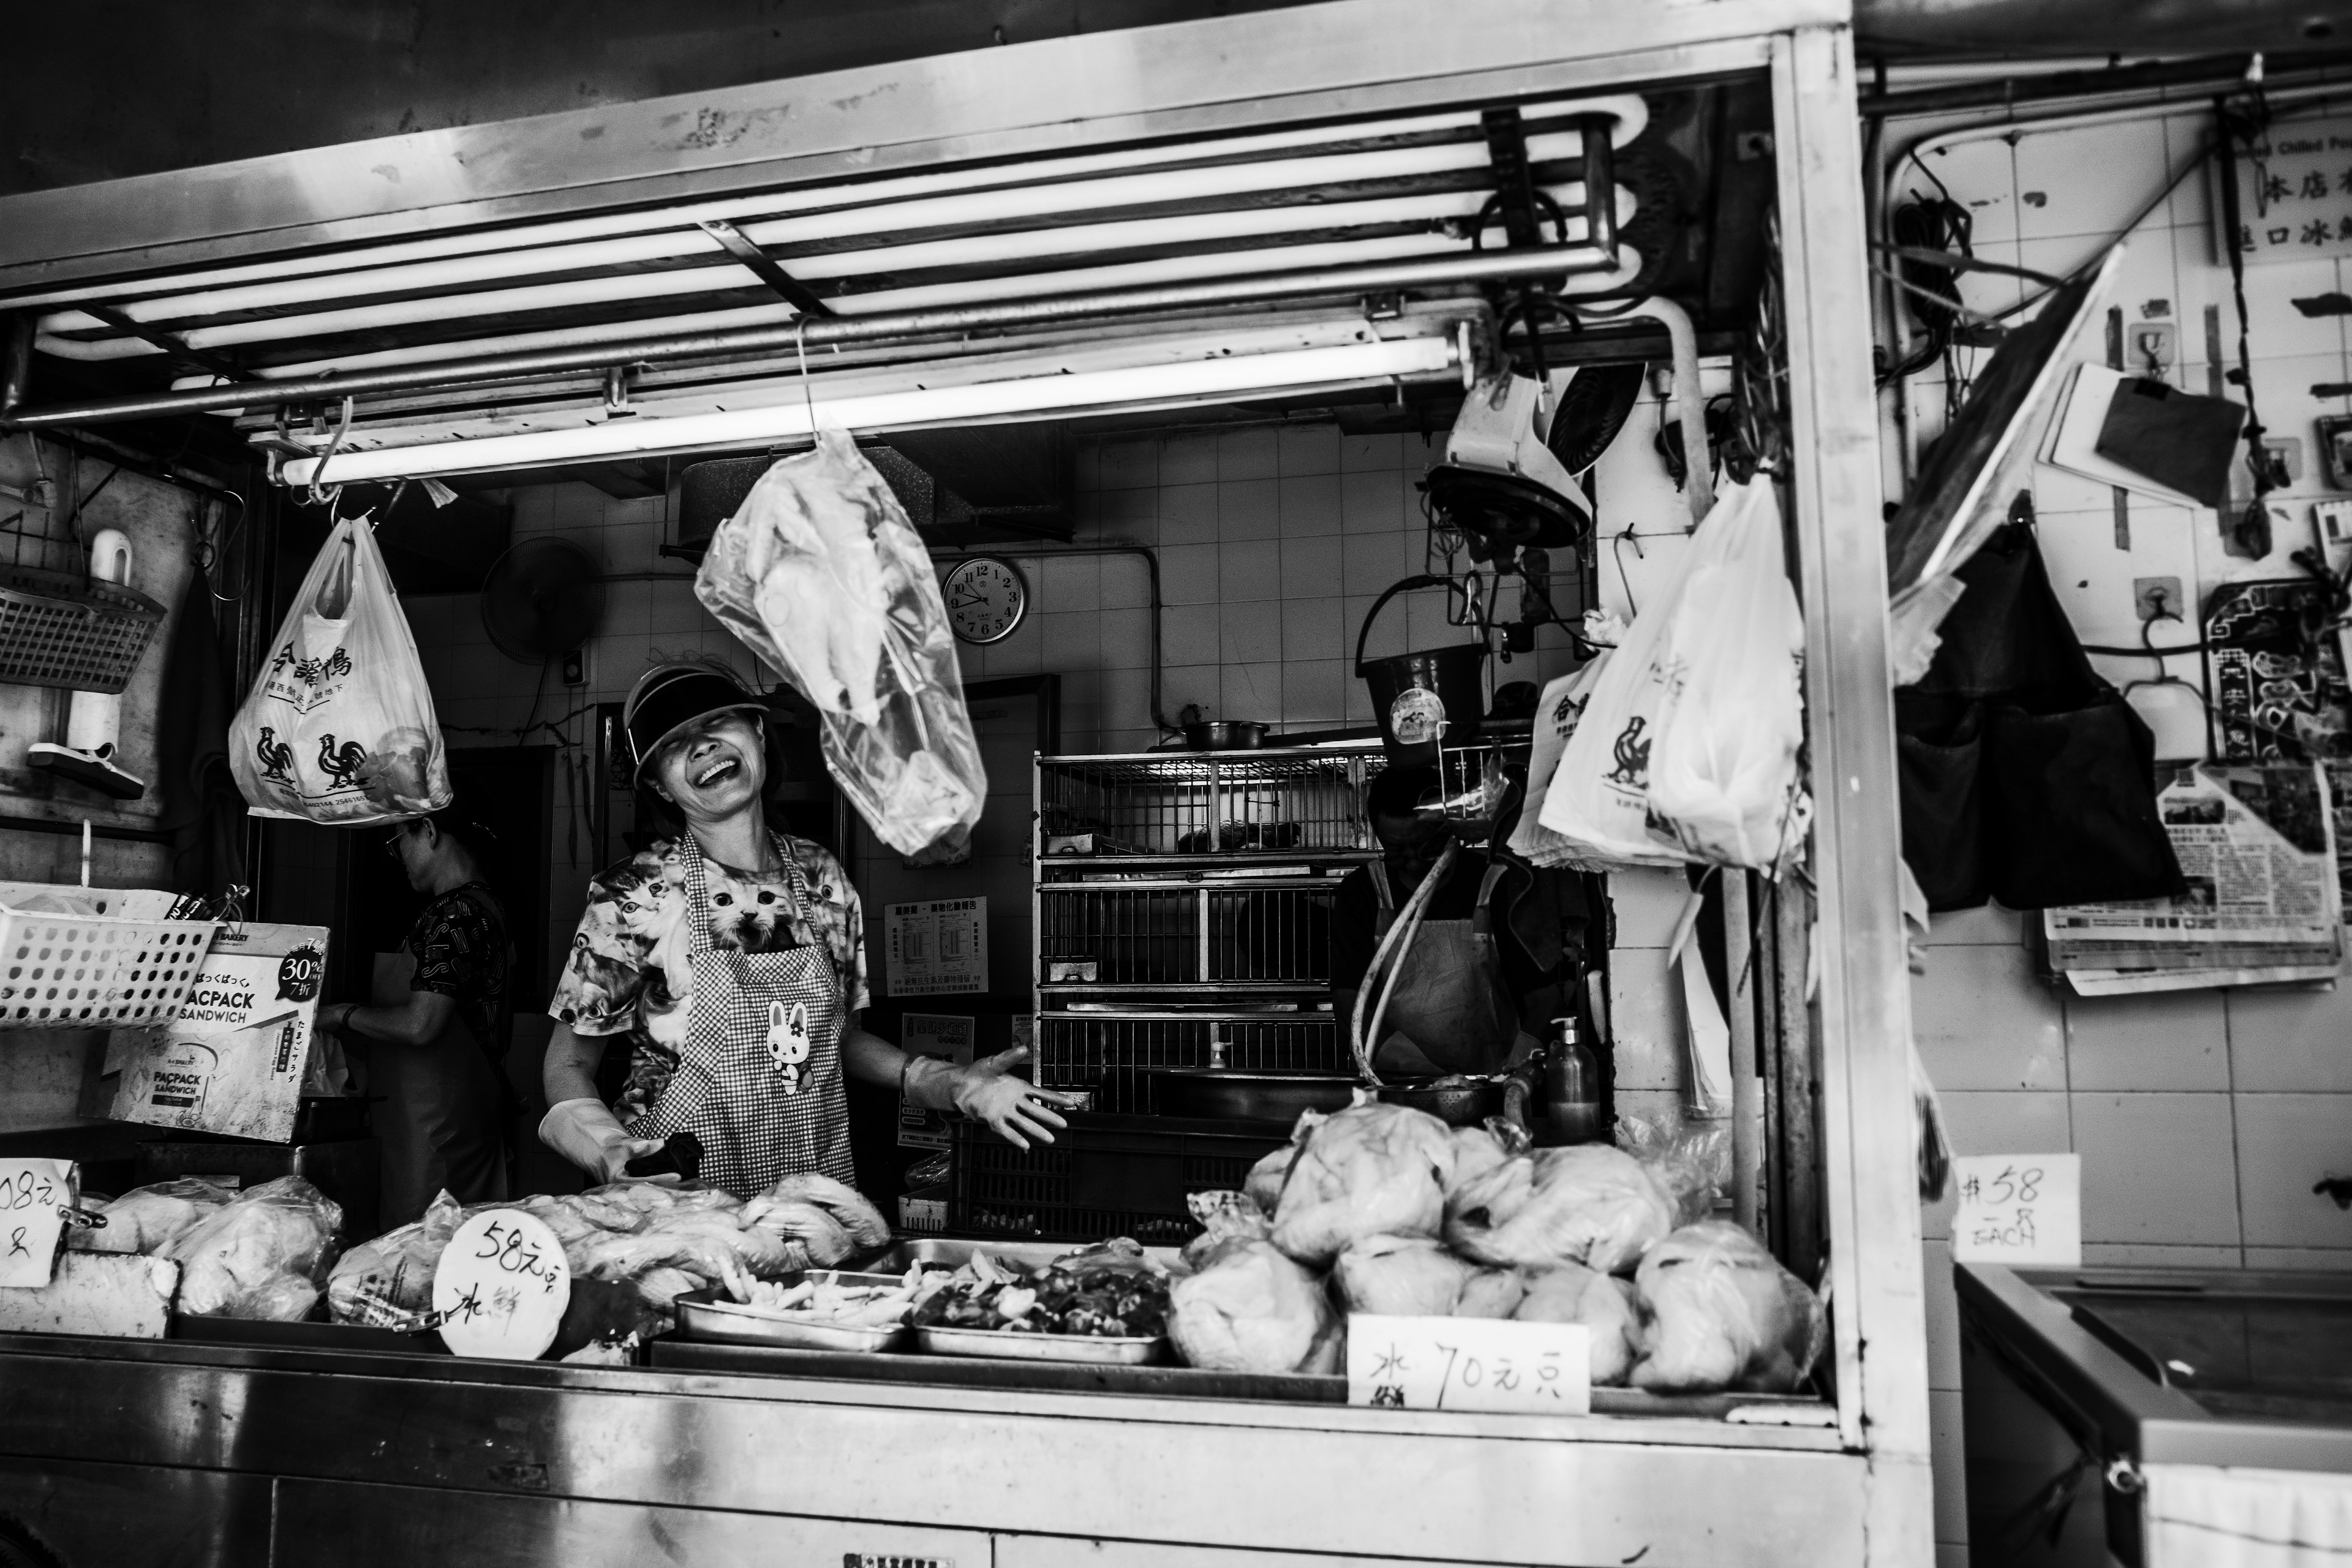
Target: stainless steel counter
{"points": [[120, 1452]]}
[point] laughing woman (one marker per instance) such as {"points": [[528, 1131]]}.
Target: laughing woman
{"points": [[733, 957]]}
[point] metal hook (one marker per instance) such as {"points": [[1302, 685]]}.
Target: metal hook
{"points": [[329, 496]]}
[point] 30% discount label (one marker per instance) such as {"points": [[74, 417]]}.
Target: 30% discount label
{"points": [[501, 1286], [1469, 1363]]}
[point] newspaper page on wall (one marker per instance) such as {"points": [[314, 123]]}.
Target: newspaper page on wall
{"points": [[2257, 847], [233, 1060]]}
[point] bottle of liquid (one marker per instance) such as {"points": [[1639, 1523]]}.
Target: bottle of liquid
{"points": [[1572, 1109]]}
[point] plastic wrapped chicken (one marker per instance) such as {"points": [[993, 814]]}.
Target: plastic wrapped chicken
{"points": [[261, 1256], [820, 574], [1253, 1309], [389, 1279], [1604, 1304], [1370, 1170], [1399, 1277], [1588, 1203], [148, 1219], [1725, 1314]]}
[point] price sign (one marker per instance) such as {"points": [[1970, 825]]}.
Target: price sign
{"points": [[33, 1195], [1469, 1363], [2021, 1209], [501, 1286]]}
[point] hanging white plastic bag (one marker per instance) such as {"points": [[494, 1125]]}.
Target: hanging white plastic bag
{"points": [[820, 574], [339, 729], [1558, 711], [1723, 768], [1599, 794]]}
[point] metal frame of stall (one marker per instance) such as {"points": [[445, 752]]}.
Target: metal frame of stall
{"points": [[384, 1457]]}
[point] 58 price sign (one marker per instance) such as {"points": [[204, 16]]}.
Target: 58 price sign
{"points": [[2021, 1209], [34, 1196], [501, 1286]]}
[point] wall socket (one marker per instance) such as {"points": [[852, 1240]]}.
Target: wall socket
{"points": [[2151, 349], [2157, 598]]}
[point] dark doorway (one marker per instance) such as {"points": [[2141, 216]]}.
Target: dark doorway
{"points": [[510, 791]]}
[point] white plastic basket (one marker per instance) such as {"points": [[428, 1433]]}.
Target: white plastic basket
{"points": [[87, 972]]}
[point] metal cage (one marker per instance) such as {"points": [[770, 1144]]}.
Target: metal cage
{"points": [[1107, 1054], [1193, 804]]}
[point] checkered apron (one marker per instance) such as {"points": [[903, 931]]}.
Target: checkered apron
{"points": [[759, 1075]]}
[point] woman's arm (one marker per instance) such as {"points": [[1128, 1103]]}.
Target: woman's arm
{"points": [[1015, 1110], [415, 1022], [569, 1072]]}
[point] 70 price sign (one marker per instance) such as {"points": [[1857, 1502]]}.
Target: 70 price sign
{"points": [[1469, 1363]]}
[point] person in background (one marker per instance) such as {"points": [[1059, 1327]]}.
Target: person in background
{"points": [[1496, 955], [436, 1059], [732, 958]]}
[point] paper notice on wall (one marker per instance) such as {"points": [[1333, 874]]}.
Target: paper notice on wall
{"points": [[2257, 846], [2293, 202], [949, 1039], [2025, 1210], [232, 1060], [936, 949]]}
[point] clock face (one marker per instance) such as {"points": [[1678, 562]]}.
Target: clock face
{"points": [[986, 598]]}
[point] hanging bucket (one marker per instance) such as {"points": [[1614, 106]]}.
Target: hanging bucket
{"points": [[1422, 698]]}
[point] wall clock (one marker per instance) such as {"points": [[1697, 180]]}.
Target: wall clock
{"points": [[987, 598]]}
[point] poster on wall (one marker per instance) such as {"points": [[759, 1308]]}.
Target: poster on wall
{"points": [[2295, 193], [938, 948], [233, 1060]]}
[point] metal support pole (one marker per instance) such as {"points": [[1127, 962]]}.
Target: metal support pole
{"points": [[1866, 1000], [1799, 1087], [1747, 1088]]}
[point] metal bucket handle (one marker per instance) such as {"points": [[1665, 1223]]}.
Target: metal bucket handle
{"points": [[1403, 585]]}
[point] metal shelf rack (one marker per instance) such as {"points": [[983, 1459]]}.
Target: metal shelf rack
{"points": [[1182, 911]]}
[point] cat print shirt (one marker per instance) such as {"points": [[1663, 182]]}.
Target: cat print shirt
{"points": [[629, 972]]}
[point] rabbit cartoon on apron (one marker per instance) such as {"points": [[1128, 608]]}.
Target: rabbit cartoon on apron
{"points": [[759, 1075]]}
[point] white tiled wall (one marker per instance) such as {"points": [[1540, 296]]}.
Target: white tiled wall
{"points": [[2203, 1118]]}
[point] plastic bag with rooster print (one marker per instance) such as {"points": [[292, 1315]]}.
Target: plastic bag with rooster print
{"points": [[338, 728]]}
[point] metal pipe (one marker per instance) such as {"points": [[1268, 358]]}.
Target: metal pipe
{"points": [[2213, 71], [1382, 278], [1747, 1088], [1690, 403], [16, 362], [1600, 176], [1800, 1231], [1150, 559]]}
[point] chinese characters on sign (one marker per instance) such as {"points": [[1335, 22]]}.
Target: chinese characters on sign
{"points": [[2020, 1209], [34, 1194], [936, 949], [1469, 1363], [2295, 193], [501, 1286]]}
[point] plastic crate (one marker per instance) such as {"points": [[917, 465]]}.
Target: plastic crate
{"points": [[59, 629], [1102, 1176], [78, 972]]}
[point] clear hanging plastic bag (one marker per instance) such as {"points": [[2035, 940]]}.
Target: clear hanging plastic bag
{"points": [[340, 728], [820, 574]]}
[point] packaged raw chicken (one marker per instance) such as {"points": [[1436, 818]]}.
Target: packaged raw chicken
{"points": [[1253, 1310], [1225, 1216], [1399, 1277], [148, 1219], [1604, 1304], [1370, 1170], [262, 1256], [821, 575], [1725, 1314], [388, 1282], [1586, 1204]]}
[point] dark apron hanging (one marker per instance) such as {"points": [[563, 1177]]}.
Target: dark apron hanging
{"points": [[2024, 776]]}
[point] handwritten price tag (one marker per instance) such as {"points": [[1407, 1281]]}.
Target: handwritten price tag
{"points": [[32, 1195], [2021, 1209], [1469, 1363], [501, 1286]]}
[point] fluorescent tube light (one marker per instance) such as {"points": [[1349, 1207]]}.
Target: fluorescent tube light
{"points": [[979, 404]]}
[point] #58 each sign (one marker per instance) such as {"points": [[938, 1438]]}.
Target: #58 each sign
{"points": [[2021, 1209]]}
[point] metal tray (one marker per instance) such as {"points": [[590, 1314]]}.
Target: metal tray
{"points": [[997, 1344], [954, 1252], [709, 1315]]}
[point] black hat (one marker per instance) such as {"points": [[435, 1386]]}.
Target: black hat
{"points": [[671, 696]]}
